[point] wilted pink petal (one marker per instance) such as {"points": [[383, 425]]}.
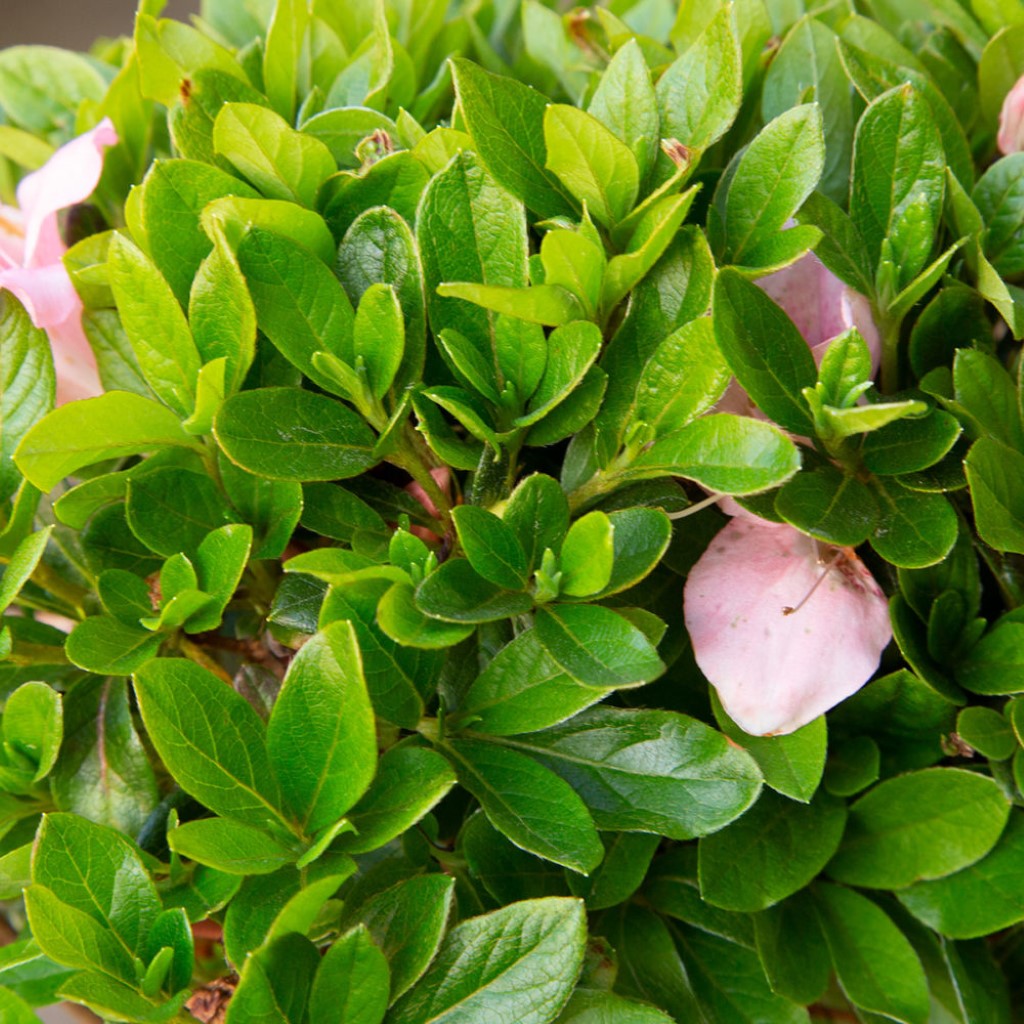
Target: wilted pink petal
{"points": [[68, 177], [774, 671], [821, 306], [1011, 120]]}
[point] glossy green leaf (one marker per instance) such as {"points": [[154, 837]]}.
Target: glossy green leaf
{"points": [[921, 825], [835, 508], [455, 592], [528, 804], [773, 851], [994, 473], [321, 737], [352, 982], [291, 434], [505, 119], [400, 618], [523, 959], [724, 453], [588, 554], [210, 739], [597, 646], [875, 963], [649, 771], [914, 529], [274, 984], [113, 425], [231, 846], [491, 547]]}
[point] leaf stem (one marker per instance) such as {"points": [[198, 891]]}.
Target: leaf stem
{"points": [[891, 354]]}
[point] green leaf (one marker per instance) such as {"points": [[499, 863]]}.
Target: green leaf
{"points": [[321, 737], [272, 507], [829, 505], [42, 86], [597, 646], [995, 665], [1000, 202], [379, 336], [649, 771], [231, 846], [587, 555], [15, 1009], [596, 168], [33, 725], [699, 95], [914, 529], [591, 1007], [627, 856], [283, 53], [527, 803], [117, 1001], [352, 982], [625, 103], [172, 510], [792, 949], [987, 731], [907, 445], [300, 304], [521, 961], [408, 783], [491, 547], [82, 433], [724, 453], [505, 119], [400, 619], [455, 592], [547, 304], [155, 325], [26, 385], [768, 184], [686, 375], [765, 350], [407, 923], [98, 872], [994, 473], [291, 434], [640, 537], [21, 565], [773, 851], [210, 739], [876, 965], [279, 161], [74, 938], [989, 395], [921, 825], [107, 646], [898, 180], [524, 689], [538, 512], [274, 984], [572, 350]]}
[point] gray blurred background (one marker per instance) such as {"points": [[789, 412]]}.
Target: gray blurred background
{"points": [[74, 24]]}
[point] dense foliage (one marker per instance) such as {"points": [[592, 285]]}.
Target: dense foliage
{"points": [[344, 664]]}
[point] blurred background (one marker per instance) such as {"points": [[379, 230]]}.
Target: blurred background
{"points": [[74, 24]]}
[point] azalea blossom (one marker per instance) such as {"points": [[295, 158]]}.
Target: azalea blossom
{"points": [[31, 251], [1011, 120], [783, 626]]}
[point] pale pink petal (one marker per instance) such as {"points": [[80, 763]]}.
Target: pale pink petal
{"points": [[776, 672], [12, 237], [47, 293], [68, 177], [1011, 120], [442, 477], [73, 361]]}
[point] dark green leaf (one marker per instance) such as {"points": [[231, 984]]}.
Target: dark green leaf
{"points": [[835, 508], [209, 738], [521, 961], [996, 477], [649, 771], [996, 663], [538, 512], [529, 804], [910, 444], [627, 856], [792, 949], [914, 529], [773, 851]]}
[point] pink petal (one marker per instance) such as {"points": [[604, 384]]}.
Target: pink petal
{"points": [[73, 361], [12, 237], [47, 293], [68, 177], [1011, 120], [775, 672]]}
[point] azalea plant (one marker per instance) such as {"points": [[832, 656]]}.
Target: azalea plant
{"points": [[511, 513]]}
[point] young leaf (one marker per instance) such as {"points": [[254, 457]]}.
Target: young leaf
{"points": [[113, 425], [588, 555]]}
